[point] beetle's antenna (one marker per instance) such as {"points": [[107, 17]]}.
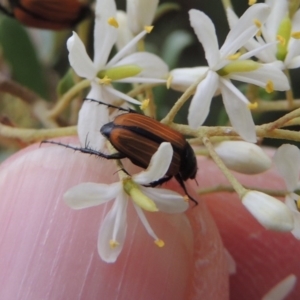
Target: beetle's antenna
{"points": [[90, 151], [110, 105], [181, 182]]}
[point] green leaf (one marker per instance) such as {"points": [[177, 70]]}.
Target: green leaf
{"points": [[175, 43], [20, 55], [65, 83]]}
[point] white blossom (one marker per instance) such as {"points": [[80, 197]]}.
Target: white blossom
{"points": [[139, 67], [114, 226], [243, 157], [287, 161], [225, 64], [278, 28], [268, 211]]}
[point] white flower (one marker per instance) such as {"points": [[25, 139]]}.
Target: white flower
{"points": [[287, 161], [243, 157], [113, 229], [139, 13], [278, 27], [226, 64], [268, 211], [139, 67]]}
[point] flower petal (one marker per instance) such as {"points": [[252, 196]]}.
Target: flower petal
{"points": [[79, 59], [166, 200], [282, 289], [268, 211], [105, 35], [145, 222], [184, 77], [294, 63], [200, 104], [115, 94], [141, 13], [90, 194], [237, 110], [290, 202], [151, 64], [206, 33], [92, 117], [279, 9], [113, 230], [244, 29], [287, 161], [127, 49], [264, 74], [243, 157], [158, 166], [267, 55], [124, 34]]}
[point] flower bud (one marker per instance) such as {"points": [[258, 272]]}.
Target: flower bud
{"points": [[243, 157], [268, 211]]}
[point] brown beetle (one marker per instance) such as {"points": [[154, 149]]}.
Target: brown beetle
{"points": [[47, 14], [137, 137]]}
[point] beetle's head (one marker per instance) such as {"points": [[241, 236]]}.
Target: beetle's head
{"points": [[106, 129], [188, 168]]}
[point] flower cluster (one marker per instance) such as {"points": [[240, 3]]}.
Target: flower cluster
{"points": [[262, 31]]}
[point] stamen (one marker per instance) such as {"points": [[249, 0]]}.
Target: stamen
{"points": [[251, 2], [281, 40], [113, 22], [186, 198], [296, 35], [258, 33], [105, 80], [252, 105], [234, 56], [113, 244], [160, 243], [257, 23], [169, 81], [269, 87], [148, 28], [145, 104]]}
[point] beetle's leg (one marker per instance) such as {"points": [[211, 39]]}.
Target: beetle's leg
{"points": [[88, 150], [110, 105], [181, 182], [159, 181]]}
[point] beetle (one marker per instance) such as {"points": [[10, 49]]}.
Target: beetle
{"points": [[137, 137], [47, 14]]}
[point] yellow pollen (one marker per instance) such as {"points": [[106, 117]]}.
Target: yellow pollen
{"points": [[234, 56], [113, 22], [269, 87], [113, 244], [252, 105], [251, 2], [296, 35], [145, 104], [186, 198], [281, 40], [169, 81], [160, 243], [105, 80], [298, 204], [257, 23], [148, 28]]}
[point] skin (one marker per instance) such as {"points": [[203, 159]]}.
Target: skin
{"points": [[50, 249]]}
